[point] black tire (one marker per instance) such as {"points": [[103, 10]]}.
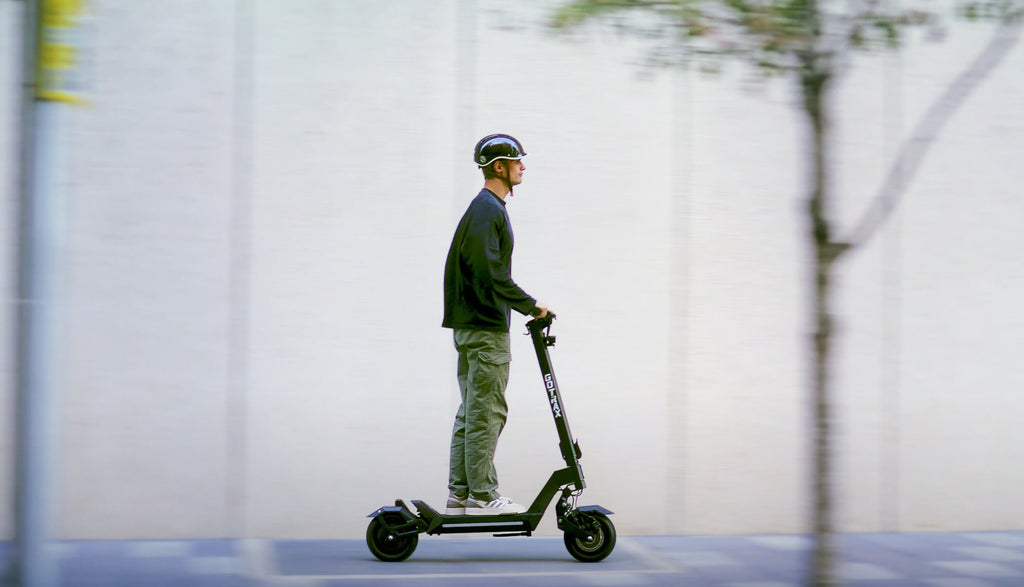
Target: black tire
{"points": [[601, 540], [385, 545]]}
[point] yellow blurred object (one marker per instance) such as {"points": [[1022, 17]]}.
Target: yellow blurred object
{"points": [[59, 67]]}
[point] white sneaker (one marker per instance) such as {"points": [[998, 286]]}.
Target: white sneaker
{"points": [[456, 506], [502, 505]]}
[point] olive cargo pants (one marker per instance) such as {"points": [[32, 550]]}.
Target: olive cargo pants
{"points": [[483, 375]]}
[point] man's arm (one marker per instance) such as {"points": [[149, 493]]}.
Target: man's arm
{"points": [[501, 277], [483, 245]]}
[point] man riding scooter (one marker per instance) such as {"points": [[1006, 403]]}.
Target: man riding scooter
{"points": [[479, 294]]}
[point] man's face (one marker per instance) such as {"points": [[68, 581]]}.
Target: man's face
{"points": [[515, 171]]}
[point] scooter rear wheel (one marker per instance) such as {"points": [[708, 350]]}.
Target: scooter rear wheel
{"points": [[599, 542], [386, 545]]}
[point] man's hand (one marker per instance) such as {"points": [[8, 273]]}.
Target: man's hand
{"points": [[543, 310]]}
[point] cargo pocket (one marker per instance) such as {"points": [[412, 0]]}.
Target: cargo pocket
{"points": [[491, 374], [496, 357]]}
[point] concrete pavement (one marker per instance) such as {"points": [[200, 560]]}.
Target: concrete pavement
{"points": [[973, 559]]}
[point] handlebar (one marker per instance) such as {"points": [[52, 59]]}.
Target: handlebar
{"points": [[540, 323]]}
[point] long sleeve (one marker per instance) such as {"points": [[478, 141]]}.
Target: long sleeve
{"points": [[491, 263]]}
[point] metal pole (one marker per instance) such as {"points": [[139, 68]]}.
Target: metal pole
{"points": [[40, 201]]}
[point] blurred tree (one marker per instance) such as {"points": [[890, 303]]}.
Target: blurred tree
{"points": [[810, 42]]}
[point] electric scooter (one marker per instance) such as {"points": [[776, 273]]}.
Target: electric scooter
{"points": [[589, 534]]}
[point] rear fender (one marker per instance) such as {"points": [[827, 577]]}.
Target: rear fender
{"points": [[411, 524]]}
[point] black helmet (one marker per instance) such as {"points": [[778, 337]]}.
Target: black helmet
{"points": [[497, 146]]}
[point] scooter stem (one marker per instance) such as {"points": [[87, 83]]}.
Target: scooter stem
{"points": [[541, 341]]}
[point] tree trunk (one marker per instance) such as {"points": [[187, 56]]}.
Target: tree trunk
{"points": [[821, 570]]}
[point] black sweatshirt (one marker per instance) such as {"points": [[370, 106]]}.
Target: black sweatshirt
{"points": [[478, 287]]}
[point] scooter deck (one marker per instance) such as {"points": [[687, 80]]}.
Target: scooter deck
{"points": [[513, 524]]}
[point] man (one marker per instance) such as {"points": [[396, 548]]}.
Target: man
{"points": [[479, 295]]}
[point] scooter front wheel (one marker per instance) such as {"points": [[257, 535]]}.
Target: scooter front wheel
{"points": [[385, 544], [599, 541]]}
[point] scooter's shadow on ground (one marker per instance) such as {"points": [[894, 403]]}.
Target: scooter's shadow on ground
{"points": [[484, 559]]}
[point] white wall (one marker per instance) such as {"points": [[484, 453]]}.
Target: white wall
{"points": [[149, 282], [263, 194], [926, 370]]}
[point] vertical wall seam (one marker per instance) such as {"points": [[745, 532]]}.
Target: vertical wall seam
{"points": [[889, 491], [679, 348], [239, 272], [465, 95]]}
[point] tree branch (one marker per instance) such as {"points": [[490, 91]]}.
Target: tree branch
{"points": [[913, 151]]}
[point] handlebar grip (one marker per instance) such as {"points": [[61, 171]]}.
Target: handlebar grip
{"points": [[541, 323]]}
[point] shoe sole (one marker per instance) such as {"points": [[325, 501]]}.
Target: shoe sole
{"points": [[489, 512], [455, 511]]}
